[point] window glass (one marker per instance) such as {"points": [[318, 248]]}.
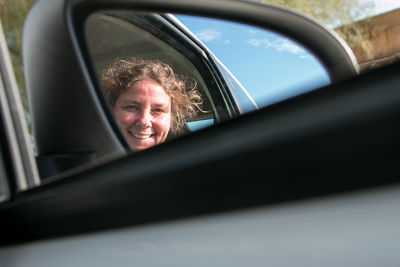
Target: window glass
{"points": [[243, 99], [267, 67]]}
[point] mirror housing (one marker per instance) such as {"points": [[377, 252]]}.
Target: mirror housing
{"points": [[70, 126], [72, 123]]}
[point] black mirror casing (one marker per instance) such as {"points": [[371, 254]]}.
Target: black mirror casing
{"points": [[69, 123]]}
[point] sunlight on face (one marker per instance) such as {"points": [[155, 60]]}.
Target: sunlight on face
{"points": [[143, 113]]}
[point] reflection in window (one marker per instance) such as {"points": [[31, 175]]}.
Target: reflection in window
{"points": [[270, 67]]}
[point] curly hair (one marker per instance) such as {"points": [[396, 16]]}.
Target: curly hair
{"points": [[185, 98]]}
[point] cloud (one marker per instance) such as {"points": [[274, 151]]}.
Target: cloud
{"points": [[281, 45], [259, 42], [255, 31], [254, 42], [285, 45], [208, 35]]}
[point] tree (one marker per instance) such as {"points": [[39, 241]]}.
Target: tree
{"points": [[340, 15], [330, 12]]}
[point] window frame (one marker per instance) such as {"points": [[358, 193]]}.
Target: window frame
{"points": [[24, 173]]}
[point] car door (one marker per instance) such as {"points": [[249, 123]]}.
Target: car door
{"points": [[312, 180]]}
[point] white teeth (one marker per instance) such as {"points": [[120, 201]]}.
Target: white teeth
{"points": [[140, 136]]}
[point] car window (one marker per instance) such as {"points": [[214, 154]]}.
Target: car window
{"points": [[267, 67]]}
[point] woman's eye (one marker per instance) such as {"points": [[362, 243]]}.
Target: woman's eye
{"points": [[157, 111], [131, 108]]}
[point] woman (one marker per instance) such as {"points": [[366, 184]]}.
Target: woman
{"points": [[148, 100]]}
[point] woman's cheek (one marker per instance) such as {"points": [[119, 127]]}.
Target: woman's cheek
{"points": [[126, 117], [163, 124]]}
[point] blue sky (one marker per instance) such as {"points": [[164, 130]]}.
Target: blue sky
{"points": [[270, 67]]}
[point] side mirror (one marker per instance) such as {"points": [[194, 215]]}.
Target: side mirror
{"points": [[73, 123]]}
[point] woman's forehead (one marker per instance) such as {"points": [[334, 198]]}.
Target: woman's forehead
{"points": [[146, 90]]}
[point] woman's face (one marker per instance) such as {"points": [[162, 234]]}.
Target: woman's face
{"points": [[143, 113]]}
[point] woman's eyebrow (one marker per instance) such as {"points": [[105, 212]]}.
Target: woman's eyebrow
{"points": [[160, 105], [132, 101]]}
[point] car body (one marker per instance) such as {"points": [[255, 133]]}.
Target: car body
{"points": [[311, 180]]}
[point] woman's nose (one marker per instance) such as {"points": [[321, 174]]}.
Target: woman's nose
{"points": [[144, 119]]}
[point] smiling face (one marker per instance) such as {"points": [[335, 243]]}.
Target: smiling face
{"points": [[143, 113]]}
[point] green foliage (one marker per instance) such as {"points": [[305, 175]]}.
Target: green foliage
{"points": [[358, 35], [338, 14]]}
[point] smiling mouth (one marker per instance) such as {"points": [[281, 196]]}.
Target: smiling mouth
{"points": [[139, 136]]}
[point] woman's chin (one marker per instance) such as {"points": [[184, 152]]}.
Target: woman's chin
{"points": [[141, 144]]}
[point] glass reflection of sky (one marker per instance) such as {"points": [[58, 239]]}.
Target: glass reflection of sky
{"points": [[269, 66]]}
